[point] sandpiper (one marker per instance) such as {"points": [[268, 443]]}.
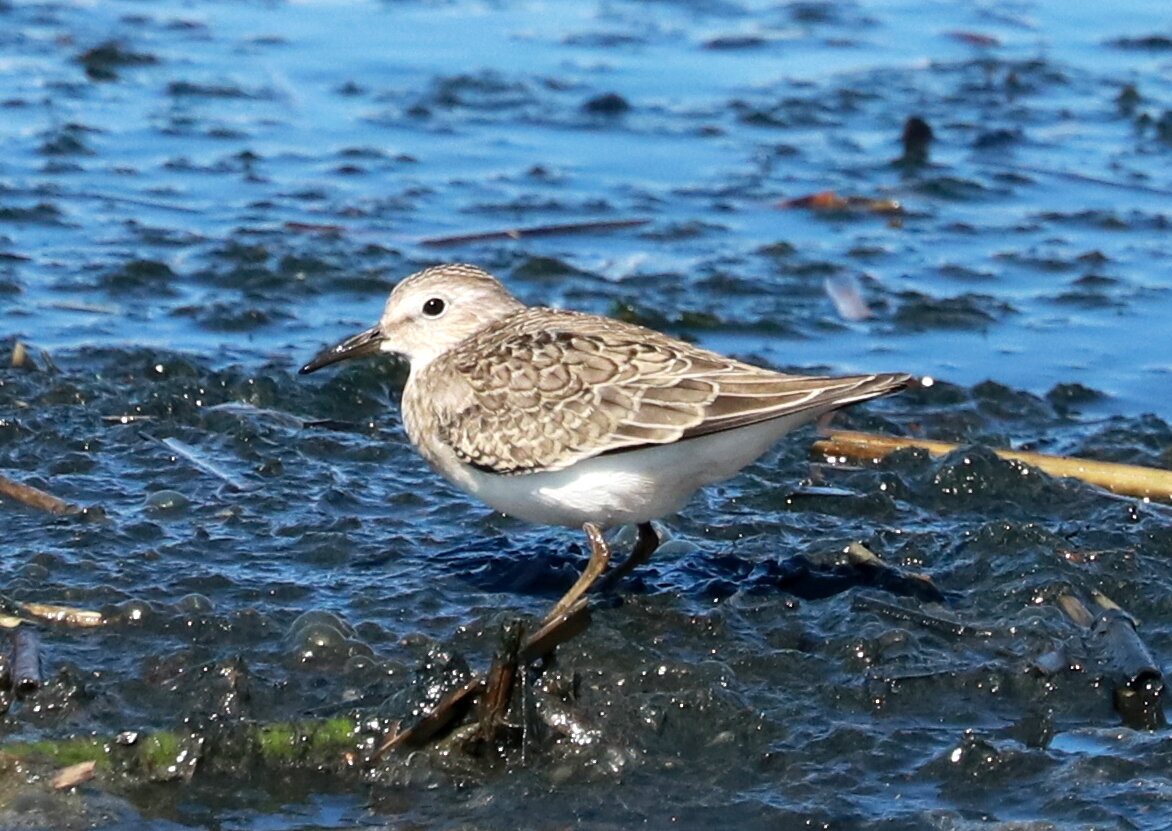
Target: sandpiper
{"points": [[565, 418]]}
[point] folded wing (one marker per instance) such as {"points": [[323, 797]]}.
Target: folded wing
{"points": [[544, 397]]}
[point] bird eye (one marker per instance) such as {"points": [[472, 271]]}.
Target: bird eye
{"points": [[434, 307]]}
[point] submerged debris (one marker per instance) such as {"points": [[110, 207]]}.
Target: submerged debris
{"points": [[917, 142], [26, 660], [103, 61], [1122, 658], [20, 357]]}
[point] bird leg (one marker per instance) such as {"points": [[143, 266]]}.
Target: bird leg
{"points": [[644, 547], [599, 560]]}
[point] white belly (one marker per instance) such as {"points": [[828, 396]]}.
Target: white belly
{"points": [[622, 488]]}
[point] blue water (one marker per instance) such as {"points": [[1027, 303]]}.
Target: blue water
{"points": [[286, 65]]}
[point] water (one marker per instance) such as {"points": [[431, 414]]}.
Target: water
{"points": [[181, 236]]}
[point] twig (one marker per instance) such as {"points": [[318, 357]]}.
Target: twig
{"points": [[315, 228], [66, 306], [36, 498], [890, 610], [498, 686], [495, 690], [1083, 177], [1127, 480], [535, 231], [448, 709]]}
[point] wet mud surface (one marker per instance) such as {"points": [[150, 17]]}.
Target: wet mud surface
{"points": [[195, 198]]}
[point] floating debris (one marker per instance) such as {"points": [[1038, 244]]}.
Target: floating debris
{"points": [[885, 576], [1072, 176], [828, 201], [843, 290], [74, 775], [978, 39], [26, 660], [454, 705], [917, 139], [933, 622], [128, 418], [91, 308], [1112, 638], [609, 103], [1127, 480], [536, 231], [102, 61], [498, 685], [196, 458], [20, 357], [64, 614], [37, 498], [315, 228]]}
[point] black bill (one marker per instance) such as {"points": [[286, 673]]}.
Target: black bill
{"points": [[355, 346]]}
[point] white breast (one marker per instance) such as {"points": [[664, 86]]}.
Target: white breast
{"points": [[622, 488]]}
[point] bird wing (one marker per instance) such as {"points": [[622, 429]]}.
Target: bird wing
{"points": [[547, 390]]}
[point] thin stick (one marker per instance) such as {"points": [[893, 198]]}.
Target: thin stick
{"points": [[451, 706], [66, 306], [498, 686], [1074, 176], [866, 603], [36, 498], [535, 231], [1127, 480], [104, 197]]}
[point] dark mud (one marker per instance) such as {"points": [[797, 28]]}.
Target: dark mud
{"points": [[195, 198]]}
